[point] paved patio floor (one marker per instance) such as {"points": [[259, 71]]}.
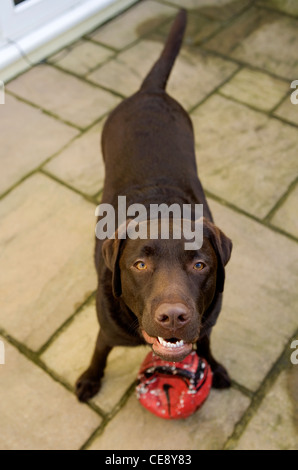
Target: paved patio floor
{"points": [[233, 75]]}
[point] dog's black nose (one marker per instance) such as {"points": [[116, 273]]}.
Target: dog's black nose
{"points": [[172, 316]]}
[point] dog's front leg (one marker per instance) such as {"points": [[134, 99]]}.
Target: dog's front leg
{"points": [[221, 378], [88, 383]]}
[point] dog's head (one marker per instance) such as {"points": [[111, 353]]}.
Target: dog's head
{"points": [[167, 287]]}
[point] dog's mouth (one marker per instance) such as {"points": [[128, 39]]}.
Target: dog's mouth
{"points": [[171, 349]]}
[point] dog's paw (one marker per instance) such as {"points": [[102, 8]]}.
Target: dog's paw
{"points": [[87, 386], [221, 378]]}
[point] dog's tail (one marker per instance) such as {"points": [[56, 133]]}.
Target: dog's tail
{"points": [[157, 78]]}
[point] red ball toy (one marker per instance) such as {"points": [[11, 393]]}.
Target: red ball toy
{"points": [[173, 390]]}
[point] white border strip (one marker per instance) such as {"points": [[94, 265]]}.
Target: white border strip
{"points": [[57, 34]]}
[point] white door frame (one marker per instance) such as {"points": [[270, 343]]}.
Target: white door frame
{"points": [[29, 32], [18, 20]]}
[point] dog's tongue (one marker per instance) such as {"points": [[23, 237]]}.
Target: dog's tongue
{"points": [[173, 352]]}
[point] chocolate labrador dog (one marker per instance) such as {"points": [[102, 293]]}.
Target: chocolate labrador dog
{"points": [[154, 291]]}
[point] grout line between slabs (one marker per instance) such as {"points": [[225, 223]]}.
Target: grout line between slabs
{"points": [[281, 364], [108, 418], [64, 325], [89, 38], [44, 111], [281, 201], [287, 95], [50, 175], [84, 79], [257, 110], [35, 359], [273, 10], [215, 89], [40, 169], [240, 211], [245, 64]]}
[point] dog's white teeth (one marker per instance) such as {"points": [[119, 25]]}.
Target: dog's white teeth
{"points": [[168, 344]]}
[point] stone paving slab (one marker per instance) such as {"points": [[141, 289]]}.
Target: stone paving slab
{"points": [[286, 6], [275, 425], [81, 57], [244, 25], [34, 142], [262, 50], [195, 74], [76, 345], [244, 156], [80, 164], [286, 216], [37, 413], [256, 89], [260, 299], [125, 73], [251, 38], [136, 428], [204, 18], [133, 24], [68, 97], [47, 243], [198, 28], [288, 111], [221, 10]]}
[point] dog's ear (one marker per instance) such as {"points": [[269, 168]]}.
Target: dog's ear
{"points": [[111, 255], [223, 248], [111, 252]]}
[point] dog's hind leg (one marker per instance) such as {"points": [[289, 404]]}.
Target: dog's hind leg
{"points": [[88, 384]]}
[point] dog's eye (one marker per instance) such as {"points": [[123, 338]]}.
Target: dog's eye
{"points": [[199, 266], [140, 265]]}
